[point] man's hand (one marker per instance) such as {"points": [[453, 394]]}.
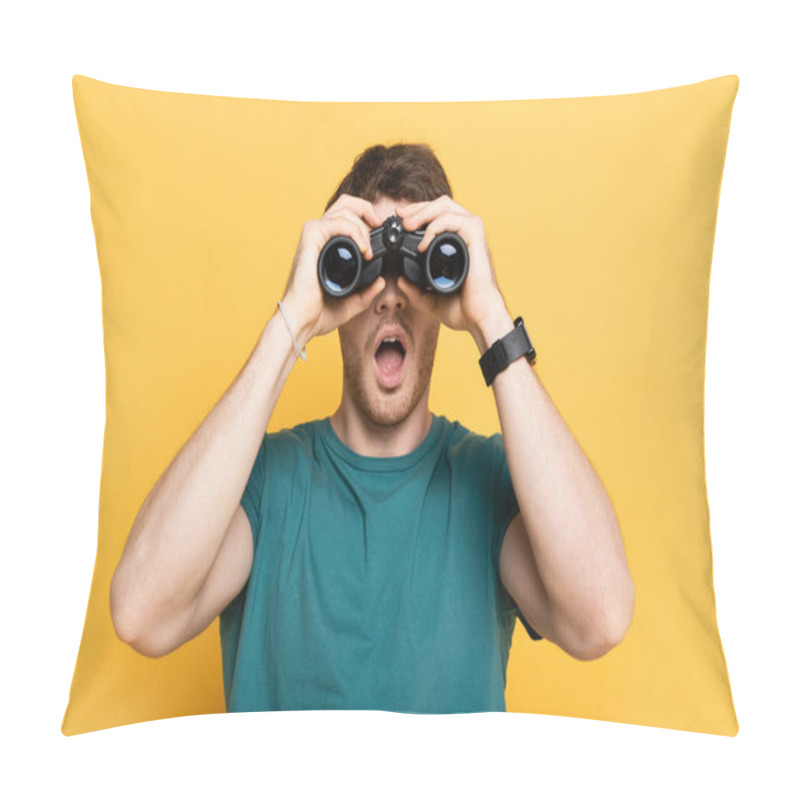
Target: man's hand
{"points": [[479, 298], [310, 310]]}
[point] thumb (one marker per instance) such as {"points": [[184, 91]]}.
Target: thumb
{"points": [[360, 301], [418, 298]]}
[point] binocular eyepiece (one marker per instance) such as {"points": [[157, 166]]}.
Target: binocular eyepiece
{"points": [[442, 268]]}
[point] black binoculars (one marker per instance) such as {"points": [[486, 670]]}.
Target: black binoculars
{"points": [[442, 268]]}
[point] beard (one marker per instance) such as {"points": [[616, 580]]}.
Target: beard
{"points": [[387, 407]]}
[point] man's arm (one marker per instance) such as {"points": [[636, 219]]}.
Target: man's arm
{"points": [[562, 558], [190, 550], [183, 526]]}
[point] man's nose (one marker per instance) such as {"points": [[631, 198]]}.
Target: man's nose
{"points": [[392, 296]]}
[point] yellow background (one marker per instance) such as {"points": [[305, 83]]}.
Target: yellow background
{"points": [[600, 214]]}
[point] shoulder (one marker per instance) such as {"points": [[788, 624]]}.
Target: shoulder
{"points": [[292, 443], [471, 447]]}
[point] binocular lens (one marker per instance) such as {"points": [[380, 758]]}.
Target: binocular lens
{"points": [[446, 266], [340, 267]]}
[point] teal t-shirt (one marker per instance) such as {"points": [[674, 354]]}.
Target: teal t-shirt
{"points": [[375, 581]]}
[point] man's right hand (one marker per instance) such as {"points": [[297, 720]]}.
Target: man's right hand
{"points": [[310, 311]]}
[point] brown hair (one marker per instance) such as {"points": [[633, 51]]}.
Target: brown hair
{"points": [[402, 172]]}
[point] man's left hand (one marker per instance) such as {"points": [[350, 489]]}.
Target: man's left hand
{"points": [[479, 297]]}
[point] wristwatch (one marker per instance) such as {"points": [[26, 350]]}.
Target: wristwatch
{"points": [[512, 346]]}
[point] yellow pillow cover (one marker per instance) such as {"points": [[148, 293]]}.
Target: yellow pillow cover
{"points": [[601, 215]]}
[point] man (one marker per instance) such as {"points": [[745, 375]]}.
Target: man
{"points": [[377, 558]]}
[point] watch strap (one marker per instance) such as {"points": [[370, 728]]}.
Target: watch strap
{"points": [[510, 347]]}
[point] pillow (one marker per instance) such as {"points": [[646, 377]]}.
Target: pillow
{"points": [[600, 213]]}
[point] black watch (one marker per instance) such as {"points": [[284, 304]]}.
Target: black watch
{"points": [[511, 347]]}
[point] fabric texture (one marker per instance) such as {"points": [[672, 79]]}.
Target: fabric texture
{"points": [[600, 213], [375, 581]]}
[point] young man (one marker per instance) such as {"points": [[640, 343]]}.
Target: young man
{"points": [[377, 558]]}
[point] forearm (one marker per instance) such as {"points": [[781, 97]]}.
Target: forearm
{"points": [[568, 515], [181, 525]]}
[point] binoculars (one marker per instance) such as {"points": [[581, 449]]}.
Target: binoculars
{"points": [[442, 268]]}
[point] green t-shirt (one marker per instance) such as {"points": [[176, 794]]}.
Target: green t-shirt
{"points": [[375, 581]]}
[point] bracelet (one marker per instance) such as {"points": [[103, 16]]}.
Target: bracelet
{"points": [[301, 353]]}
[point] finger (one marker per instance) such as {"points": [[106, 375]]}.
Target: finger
{"points": [[418, 298], [346, 213], [343, 226], [455, 223], [360, 206], [356, 303], [416, 215]]}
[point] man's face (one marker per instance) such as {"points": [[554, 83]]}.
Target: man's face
{"points": [[384, 383]]}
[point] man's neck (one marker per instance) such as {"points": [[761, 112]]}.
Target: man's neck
{"points": [[380, 441]]}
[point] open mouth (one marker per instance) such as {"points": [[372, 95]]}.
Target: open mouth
{"points": [[390, 358]]}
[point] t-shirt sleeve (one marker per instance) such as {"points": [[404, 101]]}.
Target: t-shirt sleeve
{"points": [[505, 508], [252, 498]]}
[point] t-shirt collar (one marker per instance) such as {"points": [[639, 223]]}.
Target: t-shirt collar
{"points": [[381, 464]]}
